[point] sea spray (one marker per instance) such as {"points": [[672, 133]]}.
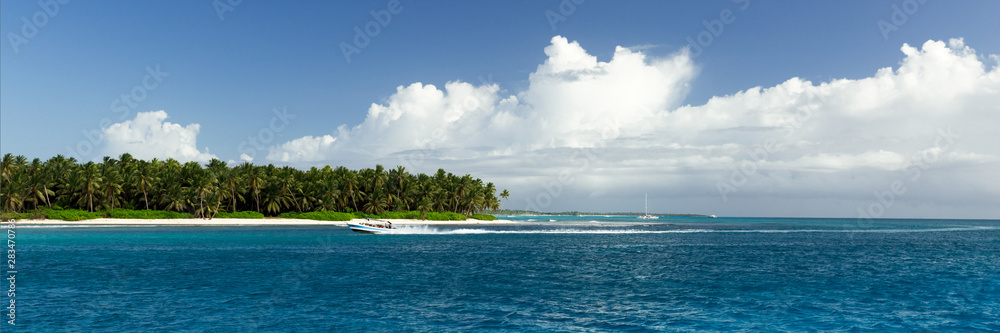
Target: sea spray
{"points": [[426, 230]]}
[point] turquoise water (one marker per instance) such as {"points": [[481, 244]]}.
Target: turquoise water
{"points": [[589, 273]]}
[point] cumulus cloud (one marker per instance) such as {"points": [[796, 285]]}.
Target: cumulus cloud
{"points": [[610, 129], [149, 136], [302, 149], [573, 100]]}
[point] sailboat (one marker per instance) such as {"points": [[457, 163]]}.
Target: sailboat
{"points": [[646, 216]]}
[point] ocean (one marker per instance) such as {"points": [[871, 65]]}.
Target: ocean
{"points": [[552, 274]]}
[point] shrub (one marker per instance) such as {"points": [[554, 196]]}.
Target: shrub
{"points": [[72, 215], [148, 214], [289, 215], [484, 217], [7, 216], [36, 214], [326, 216], [412, 215], [240, 215], [445, 216]]}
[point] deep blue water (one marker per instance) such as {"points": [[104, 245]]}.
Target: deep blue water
{"points": [[575, 274]]}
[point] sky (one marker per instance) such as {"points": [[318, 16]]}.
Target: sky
{"points": [[854, 109]]}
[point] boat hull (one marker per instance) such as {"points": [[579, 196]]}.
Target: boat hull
{"points": [[368, 229]]}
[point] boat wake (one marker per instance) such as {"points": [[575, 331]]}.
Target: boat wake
{"points": [[427, 230]]}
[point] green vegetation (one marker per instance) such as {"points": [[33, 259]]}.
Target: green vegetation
{"points": [[79, 215], [239, 215], [7, 216], [484, 217], [131, 188], [318, 216], [146, 214], [72, 215]]}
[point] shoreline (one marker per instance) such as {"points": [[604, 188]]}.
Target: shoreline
{"points": [[239, 222]]}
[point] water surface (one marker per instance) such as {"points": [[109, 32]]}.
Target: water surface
{"points": [[589, 273]]}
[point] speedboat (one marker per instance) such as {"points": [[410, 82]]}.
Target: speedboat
{"points": [[371, 226]]}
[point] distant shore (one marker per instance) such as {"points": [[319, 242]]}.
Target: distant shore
{"points": [[241, 222]]}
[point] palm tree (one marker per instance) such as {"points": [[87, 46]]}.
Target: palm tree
{"points": [[350, 182], [37, 184], [399, 178], [329, 190], [89, 184], [255, 179], [377, 203], [425, 206], [145, 179], [57, 174], [202, 185], [274, 200], [62, 170], [190, 187], [7, 167], [232, 181], [289, 186], [14, 192], [505, 195], [126, 168], [112, 186], [174, 197]]}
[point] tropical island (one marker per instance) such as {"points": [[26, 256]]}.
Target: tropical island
{"points": [[127, 188]]}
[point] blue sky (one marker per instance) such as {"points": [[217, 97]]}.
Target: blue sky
{"points": [[227, 75]]}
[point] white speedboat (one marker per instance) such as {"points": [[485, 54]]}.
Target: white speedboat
{"points": [[371, 226], [646, 216]]}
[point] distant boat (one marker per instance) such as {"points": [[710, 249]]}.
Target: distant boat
{"points": [[713, 216], [646, 216], [370, 226]]}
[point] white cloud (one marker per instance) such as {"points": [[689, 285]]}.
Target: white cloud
{"points": [[302, 149], [148, 136], [573, 101], [829, 142]]}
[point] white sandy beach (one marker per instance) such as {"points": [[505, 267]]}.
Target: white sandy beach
{"points": [[242, 222]]}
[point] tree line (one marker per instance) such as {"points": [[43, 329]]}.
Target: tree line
{"points": [[129, 183]]}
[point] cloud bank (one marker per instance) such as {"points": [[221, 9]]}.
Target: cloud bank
{"points": [[594, 135], [587, 131], [149, 136]]}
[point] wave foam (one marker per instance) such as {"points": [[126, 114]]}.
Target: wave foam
{"points": [[425, 230]]}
